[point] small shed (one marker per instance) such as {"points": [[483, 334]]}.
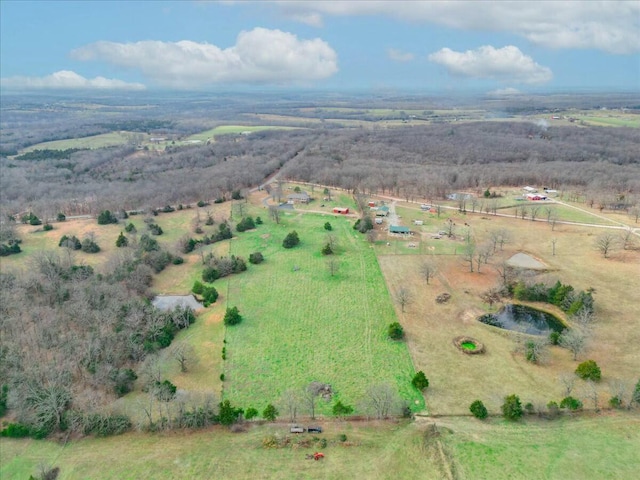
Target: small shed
{"points": [[341, 210], [399, 230]]}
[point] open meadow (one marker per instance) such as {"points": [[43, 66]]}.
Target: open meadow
{"points": [[458, 379], [463, 448], [303, 323], [305, 320]]}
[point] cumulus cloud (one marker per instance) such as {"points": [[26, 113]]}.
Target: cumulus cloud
{"points": [[68, 80], [399, 55], [612, 26], [504, 64], [260, 56]]}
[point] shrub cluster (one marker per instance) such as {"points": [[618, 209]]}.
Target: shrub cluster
{"points": [[71, 243], [255, 258], [291, 240], [218, 267], [246, 223], [188, 245], [106, 217], [363, 225], [563, 296], [155, 229], [31, 219], [395, 331], [10, 248]]}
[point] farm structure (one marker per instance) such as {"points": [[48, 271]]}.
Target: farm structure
{"points": [[396, 229], [382, 211], [341, 210], [535, 196], [302, 197], [529, 189]]}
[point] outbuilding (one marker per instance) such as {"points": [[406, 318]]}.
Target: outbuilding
{"points": [[399, 230], [341, 210]]}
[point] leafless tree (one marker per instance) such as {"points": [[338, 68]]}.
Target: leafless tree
{"points": [[185, 355], [533, 212], [332, 241], [628, 240], [568, 381], [604, 243], [274, 212], [403, 297], [291, 402], [591, 392], [575, 340], [309, 397], [333, 265], [553, 246], [482, 255], [618, 389], [428, 270], [382, 400], [469, 252], [634, 213]]}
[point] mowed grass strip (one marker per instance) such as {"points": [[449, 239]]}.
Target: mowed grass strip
{"points": [[301, 324]]}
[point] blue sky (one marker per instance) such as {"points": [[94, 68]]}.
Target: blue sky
{"points": [[448, 46]]}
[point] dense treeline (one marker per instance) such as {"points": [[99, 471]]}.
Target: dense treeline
{"points": [[427, 161], [433, 160], [70, 339]]}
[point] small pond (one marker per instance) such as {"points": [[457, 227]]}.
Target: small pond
{"points": [[521, 318], [169, 302]]}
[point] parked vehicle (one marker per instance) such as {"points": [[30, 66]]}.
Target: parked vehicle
{"points": [[314, 429]]}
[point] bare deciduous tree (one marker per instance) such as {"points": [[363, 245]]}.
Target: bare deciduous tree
{"points": [[428, 270], [185, 355], [575, 340], [568, 381], [291, 402], [333, 265], [274, 212], [382, 400], [403, 297], [605, 243]]}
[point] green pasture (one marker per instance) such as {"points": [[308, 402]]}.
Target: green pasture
{"points": [[301, 324], [110, 139], [383, 451], [232, 129], [571, 448]]}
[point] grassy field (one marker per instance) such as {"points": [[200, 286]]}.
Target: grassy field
{"points": [[302, 324], [110, 139], [458, 379], [232, 129], [572, 448], [591, 447]]}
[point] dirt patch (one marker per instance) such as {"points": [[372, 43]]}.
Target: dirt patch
{"points": [[522, 260]]}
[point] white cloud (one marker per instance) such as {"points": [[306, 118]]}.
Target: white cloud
{"points": [[260, 56], [66, 79], [399, 55], [504, 92], [504, 64], [612, 26]]}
